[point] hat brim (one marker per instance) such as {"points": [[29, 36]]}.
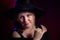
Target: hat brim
{"points": [[11, 14]]}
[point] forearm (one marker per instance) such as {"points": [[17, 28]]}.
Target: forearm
{"points": [[36, 39]]}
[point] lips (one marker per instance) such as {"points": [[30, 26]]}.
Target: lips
{"points": [[26, 24]]}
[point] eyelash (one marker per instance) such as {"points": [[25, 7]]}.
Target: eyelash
{"points": [[29, 15], [21, 17]]}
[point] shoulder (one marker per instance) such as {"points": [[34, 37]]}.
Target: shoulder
{"points": [[15, 34]]}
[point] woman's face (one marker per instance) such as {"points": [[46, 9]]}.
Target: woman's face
{"points": [[27, 19]]}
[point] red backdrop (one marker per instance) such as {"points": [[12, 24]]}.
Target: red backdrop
{"points": [[51, 19]]}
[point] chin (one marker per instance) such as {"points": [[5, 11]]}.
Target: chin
{"points": [[28, 26]]}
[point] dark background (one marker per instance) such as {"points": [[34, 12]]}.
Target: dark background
{"points": [[51, 20]]}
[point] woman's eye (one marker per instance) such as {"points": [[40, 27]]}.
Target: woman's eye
{"points": [[28, 15], [21, 17]]}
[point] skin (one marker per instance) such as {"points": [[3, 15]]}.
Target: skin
{"points": [[27, 20]]}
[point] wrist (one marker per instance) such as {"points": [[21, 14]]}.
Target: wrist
{"points": [[36, 38]]}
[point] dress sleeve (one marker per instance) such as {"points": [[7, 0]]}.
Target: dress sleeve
{"points": [[45, 36]]}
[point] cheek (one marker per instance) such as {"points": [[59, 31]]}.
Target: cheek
{"points": [[32, 19], [20, 20]]}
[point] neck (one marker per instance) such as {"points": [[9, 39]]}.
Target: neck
{"points": [[29, 32]]}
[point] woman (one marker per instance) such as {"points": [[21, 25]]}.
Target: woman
{"points": [[24, 18]]}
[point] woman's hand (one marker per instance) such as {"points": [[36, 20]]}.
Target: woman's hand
{"points": [[39, 32]]}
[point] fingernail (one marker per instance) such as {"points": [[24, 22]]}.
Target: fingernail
{"points": [[41, 25]]}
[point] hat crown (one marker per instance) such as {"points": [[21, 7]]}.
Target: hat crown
{"points": [[25, 5], [24, 2]]}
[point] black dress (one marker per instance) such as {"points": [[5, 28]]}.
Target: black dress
{"points": [[45, 37]]}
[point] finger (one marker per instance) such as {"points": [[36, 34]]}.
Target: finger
{"points": [[44, 28], [39, 30]]}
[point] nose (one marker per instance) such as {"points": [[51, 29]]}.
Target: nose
{"points": [[25, 19]]}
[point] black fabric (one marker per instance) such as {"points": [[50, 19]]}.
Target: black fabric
{"points": [[22, 38], [23, 6], [45, 37], [20, 33]]}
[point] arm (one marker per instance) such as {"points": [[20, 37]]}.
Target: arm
{"points": [[15, 34], [41, 33]]}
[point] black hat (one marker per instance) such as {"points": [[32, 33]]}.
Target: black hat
{"points": [[25, 5]]}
